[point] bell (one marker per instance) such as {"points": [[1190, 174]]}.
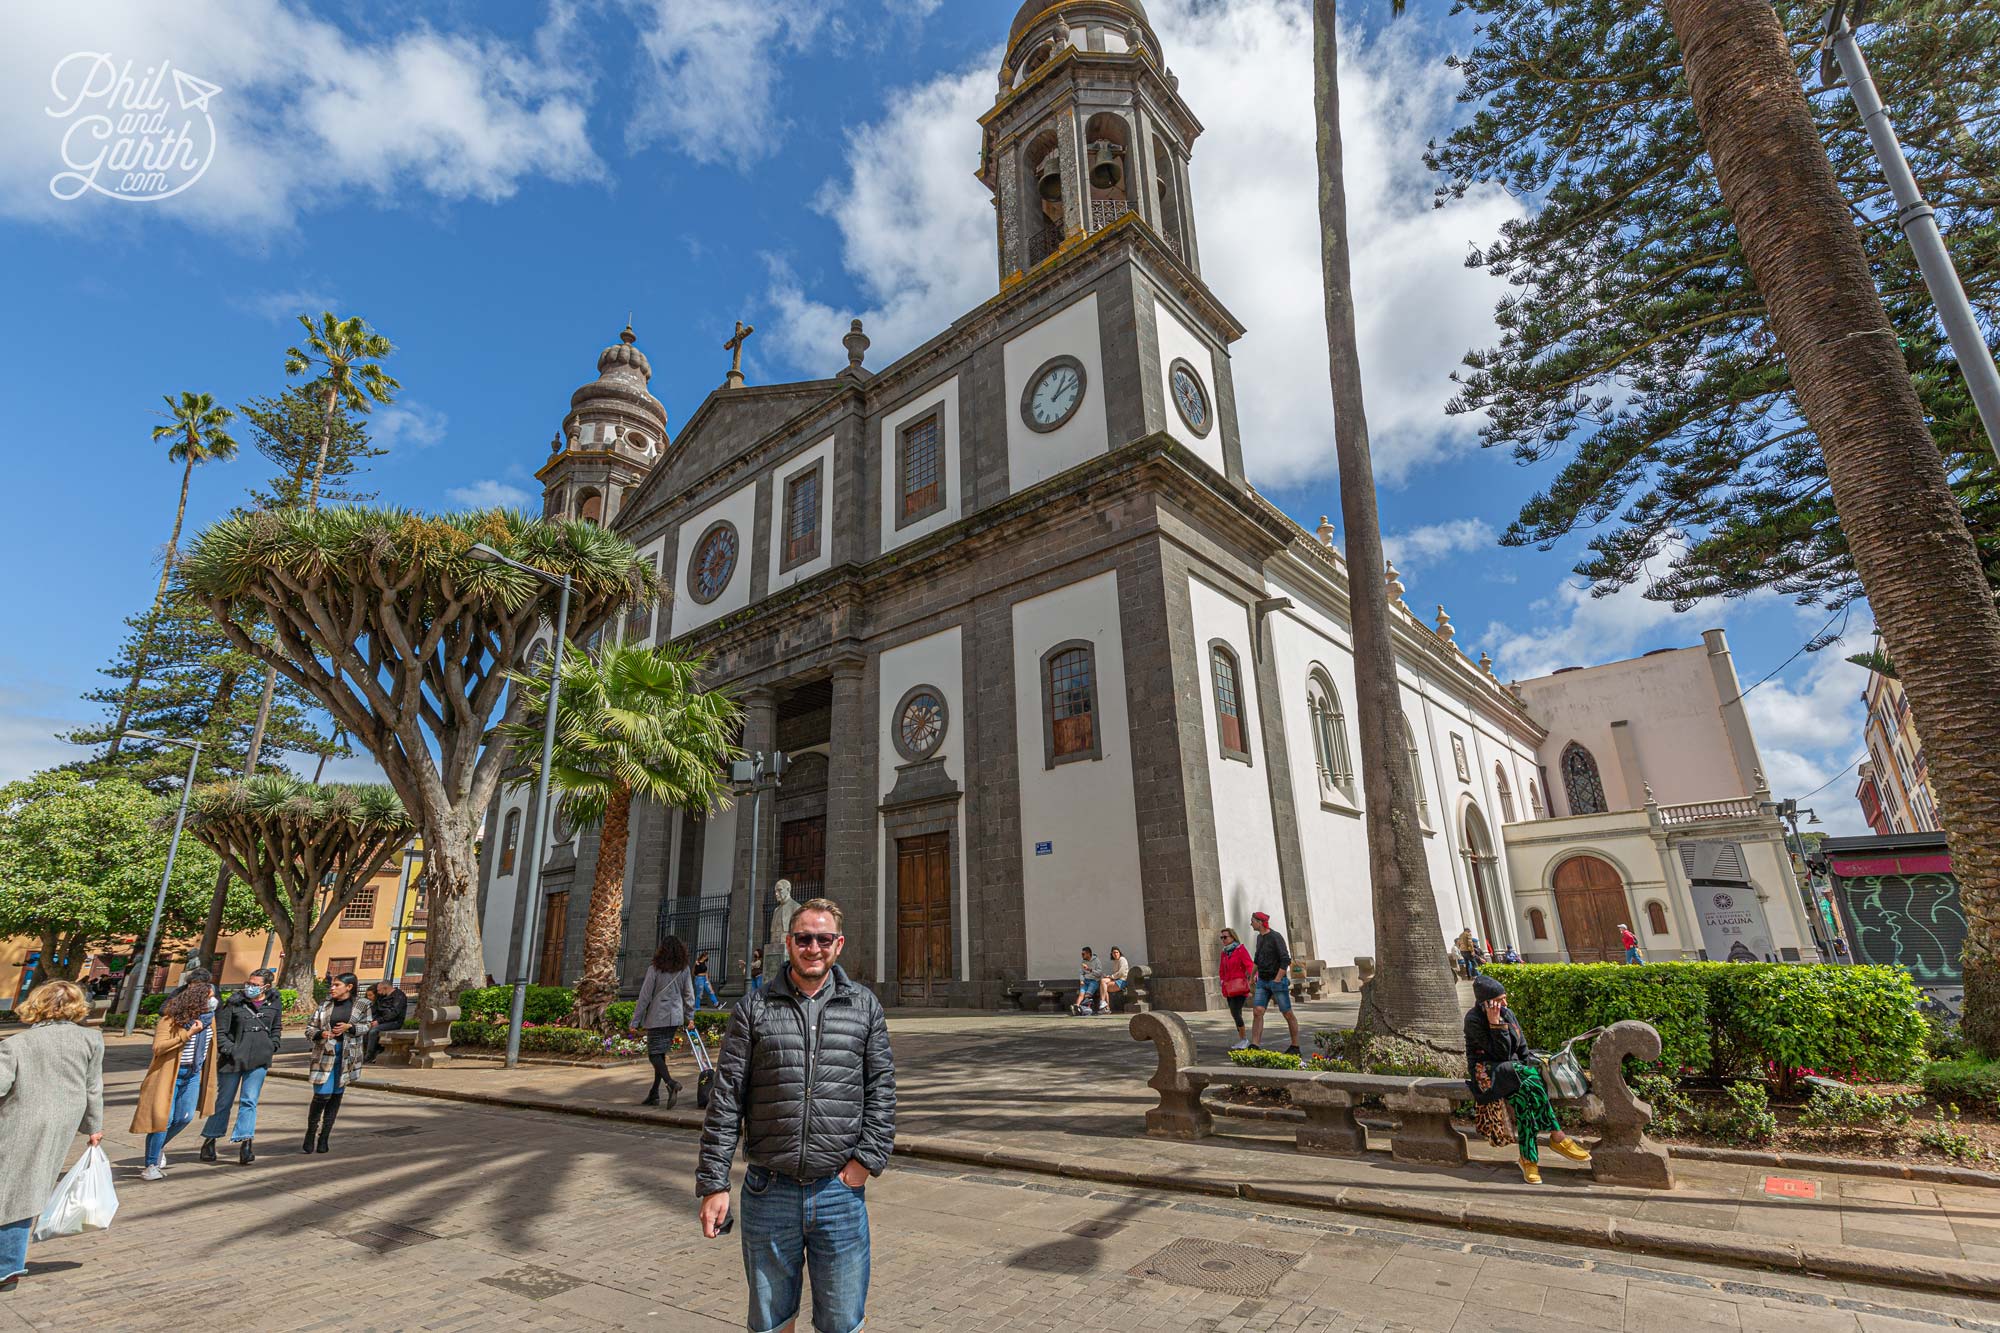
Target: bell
{"points": [[1048, 178], [1106, 171]]}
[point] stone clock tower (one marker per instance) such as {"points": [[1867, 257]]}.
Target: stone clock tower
{"points": [[1088, 126], [614, 433]]}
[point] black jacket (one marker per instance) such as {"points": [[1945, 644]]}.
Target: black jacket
{"points": [[247, 1034], [1272, 956], [1493, 1047], [390, 1009], [803, 1109]]}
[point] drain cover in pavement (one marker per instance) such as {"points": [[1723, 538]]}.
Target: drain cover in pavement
{"points": [[1095, 1230], [382, 1237], [537, 1284], [1234, 1270]]}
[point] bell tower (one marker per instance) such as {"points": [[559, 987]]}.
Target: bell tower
{"points": [[1088, 126], [614, 433]]}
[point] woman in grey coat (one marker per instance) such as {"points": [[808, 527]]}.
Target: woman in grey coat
{"points": [[665, 1007], [51, 1088]]}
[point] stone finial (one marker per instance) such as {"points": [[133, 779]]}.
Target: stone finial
{"points": [[856, 342], [1324, 531], [556, 443], [1444, 629], [628, 337], [1486, 662], [1394, 580], [1647, 787]]}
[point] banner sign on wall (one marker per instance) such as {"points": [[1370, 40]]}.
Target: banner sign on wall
{"points": [[1733, 928]]}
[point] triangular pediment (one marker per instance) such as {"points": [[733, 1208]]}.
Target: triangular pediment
{"points": [[728, 424]]}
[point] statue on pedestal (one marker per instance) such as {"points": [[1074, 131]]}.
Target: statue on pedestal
{"points": [[782, 908]]}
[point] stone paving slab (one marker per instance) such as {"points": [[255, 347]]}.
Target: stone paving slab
{"points": [[1068, 1096]]}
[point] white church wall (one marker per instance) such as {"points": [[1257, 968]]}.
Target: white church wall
{"points": [[943, 396], [1246, 840], [496, 924], [1034, 456], [936, 661], [1178, 341], [738, 508], [1085, 890], [781, 476]]}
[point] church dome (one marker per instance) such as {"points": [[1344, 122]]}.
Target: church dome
{"points": [[621, 386], [1036, 9]]}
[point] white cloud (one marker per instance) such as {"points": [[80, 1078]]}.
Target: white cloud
{"points": [[711, 90], [1432, 542], [284, 307], [406, 424], [488, 494], [28, 733], [917, 233], [306, 113]]}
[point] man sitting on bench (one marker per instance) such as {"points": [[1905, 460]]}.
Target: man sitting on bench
{"points": [[1089, 985]]}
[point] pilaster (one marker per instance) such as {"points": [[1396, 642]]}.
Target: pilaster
{"points": [[851, 876]]}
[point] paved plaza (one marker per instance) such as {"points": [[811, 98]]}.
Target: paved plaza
{"points": [[435, 1214]]}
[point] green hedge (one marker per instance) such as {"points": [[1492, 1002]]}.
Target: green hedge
{"points": [[548, 1040], [1724, 1018], [1969, 1082], [549, 1005]]}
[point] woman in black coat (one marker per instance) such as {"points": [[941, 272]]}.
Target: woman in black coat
{"points": [[1498, 1067]]}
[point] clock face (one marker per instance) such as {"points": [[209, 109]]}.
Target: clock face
{"points": [[1190, 397], [714, 561], [920, 723], [1054, 394]]}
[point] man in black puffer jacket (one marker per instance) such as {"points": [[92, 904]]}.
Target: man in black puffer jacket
{"points": [[806, 1078]]}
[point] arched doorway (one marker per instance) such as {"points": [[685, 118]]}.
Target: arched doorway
{"points": [[1484, 876], [1590, 899]]}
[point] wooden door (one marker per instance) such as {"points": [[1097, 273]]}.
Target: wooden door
{"points": [[1591, 901], [802, 858], [923, 918], [555, 928]]}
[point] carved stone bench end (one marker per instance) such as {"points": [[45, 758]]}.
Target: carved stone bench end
{"points": [[1180, 1114]]}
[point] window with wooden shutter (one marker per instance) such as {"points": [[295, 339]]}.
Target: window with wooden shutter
{"points": [[1069, 673], [510, 842], [360, 910], [374, 954], [921, 467], [801, 518], [1228, 703]]}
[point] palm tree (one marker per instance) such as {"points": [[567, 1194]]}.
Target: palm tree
{"points": [[347, 355], [1411, 994], [1932, 602], [633, 722], [197, 436]]}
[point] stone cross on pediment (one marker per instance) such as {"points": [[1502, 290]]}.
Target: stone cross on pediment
{"points": [[735, 348]]}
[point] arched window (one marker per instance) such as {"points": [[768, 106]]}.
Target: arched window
{"points": [[1228, 682], [1581, 783], [1329, 730], [590, 507], [1656, 917], [1069, 695], [1534, 800], [1107, 168], [510, 841], [1169, 198], [1538, 923], [1416, 773], [1043, 188], [1506, 794]]}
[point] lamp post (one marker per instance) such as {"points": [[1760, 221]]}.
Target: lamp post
{"points": [[160, 901], [481, 551], [1789, 811], [1840, 54], [756, 775]]}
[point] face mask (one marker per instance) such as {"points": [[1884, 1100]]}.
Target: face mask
{"points": [[253, 992]]}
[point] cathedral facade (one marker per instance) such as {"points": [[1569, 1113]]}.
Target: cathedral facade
{"points": [[1048, 671]]}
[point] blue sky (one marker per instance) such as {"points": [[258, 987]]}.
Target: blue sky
{"points": [[495, 186]]}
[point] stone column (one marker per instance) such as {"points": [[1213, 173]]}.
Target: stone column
{"points": [[746, 899], [851, 878]]}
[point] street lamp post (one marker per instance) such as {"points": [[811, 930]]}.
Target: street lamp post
{"points": [[1913, 215], [533, 886], [1788, 810], [160, 901]]}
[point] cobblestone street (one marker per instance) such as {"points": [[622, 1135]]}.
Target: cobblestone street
{"points": [[439, 1215]]}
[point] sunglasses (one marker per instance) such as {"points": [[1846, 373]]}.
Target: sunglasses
{"points": [[806, 939]]}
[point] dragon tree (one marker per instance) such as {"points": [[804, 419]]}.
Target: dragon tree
{"points": [[304, 851], [385, 618]]}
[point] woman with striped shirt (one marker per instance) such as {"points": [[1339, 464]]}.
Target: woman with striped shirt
{"points": [[180, 1082]]}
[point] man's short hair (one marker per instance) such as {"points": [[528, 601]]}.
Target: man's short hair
{"points": [[265, 973], [827, 905]]}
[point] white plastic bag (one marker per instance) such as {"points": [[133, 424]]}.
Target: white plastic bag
{"points": [[84, 1201]]}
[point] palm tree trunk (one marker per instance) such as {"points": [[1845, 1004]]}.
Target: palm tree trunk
{"points": [[1916, 560], [1412, 994], [139, 660], [601, 935], [325, 447]]}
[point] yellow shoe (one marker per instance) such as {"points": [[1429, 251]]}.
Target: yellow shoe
{"points": [[1571, 1149], [1530, 1172]]}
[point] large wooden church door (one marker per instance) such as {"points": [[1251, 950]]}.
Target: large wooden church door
{"points": [[923, 918], [555, 932], [802, 856], [1591, 900]]}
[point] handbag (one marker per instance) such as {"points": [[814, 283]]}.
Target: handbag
{"points": [[83, 1201], [1562, 1073]]}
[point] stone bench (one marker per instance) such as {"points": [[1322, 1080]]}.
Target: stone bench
{"points": [[1136, 998], [431, 1046], [1420, 1108], [1028, 995], [397, 1047]]}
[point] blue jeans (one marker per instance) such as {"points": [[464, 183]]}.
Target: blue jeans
{"points": [[14, 1248], [1632, 953], [790, 1226], [704, 994], [1277, 992], [187, 1096], [230, 1085]]}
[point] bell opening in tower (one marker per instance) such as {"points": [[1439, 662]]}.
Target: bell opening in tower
{"points": [[1109, 146], [1042, 168]]}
